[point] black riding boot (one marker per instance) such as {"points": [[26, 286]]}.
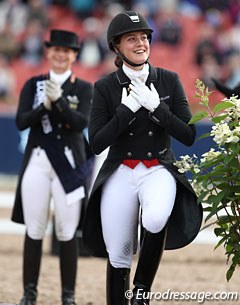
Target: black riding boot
{"points": [[117, 285], [31, 266], [68, 267], [153, 245]]}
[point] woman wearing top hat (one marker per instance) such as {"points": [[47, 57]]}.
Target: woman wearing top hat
{"points": [[135, 111], [55, 107]]}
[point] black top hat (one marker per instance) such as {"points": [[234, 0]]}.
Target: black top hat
{"points": [[60, 38]]}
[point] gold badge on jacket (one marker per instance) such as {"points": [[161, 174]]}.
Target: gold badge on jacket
{"points": [[73, 101]]}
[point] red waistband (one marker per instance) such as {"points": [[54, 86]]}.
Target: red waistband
{"points": [[133, 163]]}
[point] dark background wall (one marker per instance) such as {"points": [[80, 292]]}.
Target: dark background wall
{"points": [[12, 144]]}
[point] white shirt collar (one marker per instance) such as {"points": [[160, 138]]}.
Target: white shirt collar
{"points": [[60, 78], [133, 74]]}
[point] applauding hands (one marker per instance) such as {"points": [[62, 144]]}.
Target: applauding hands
{"points": [[53, 90], [53, 93]]}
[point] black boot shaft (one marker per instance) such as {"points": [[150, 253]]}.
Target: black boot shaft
{"points": [[32, 255], [151, 251], [68, 263], [68, 267], [31, 261], [153, 245], [117, 285]]}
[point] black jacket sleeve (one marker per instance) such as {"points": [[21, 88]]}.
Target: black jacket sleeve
{"points": [[175, 116], [27, 116]]}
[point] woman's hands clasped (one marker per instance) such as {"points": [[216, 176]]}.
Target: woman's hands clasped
{"points": [[140, 96], [148, 98], [130, 101]]}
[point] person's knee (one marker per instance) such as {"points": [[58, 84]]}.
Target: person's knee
{"points": [[36, 233], [155, 223], [120, 262], [64, 234], [121, 256]]}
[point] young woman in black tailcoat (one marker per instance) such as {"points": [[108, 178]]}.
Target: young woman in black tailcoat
{"points": [[135, 112]]}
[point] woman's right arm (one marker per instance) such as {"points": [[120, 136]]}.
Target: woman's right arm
{"points": [[105, 127]]}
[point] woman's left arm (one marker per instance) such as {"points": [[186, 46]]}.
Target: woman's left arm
{"points": [[175, 117]]}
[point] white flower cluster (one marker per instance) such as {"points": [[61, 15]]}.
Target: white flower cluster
{"points": [[187, 164], [222, 133], [210, 155], [197, 186], [234, 111]]}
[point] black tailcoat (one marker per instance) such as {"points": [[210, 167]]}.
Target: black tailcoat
{"points": [[68, 118], [141, 135]]}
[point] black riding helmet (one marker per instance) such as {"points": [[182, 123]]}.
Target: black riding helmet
{"points": [[123, 23]]}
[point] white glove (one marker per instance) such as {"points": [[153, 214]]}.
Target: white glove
{"points": [[130, 101], [148, 98], [53, 90], [47, 103]]}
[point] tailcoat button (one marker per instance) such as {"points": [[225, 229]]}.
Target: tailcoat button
{"points": [[150, 133], [131, 133], [149, 154], [59, 125], [129, 154], [58, 137]]}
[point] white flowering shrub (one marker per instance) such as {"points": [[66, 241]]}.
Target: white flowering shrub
{"points": [[216, 174]]}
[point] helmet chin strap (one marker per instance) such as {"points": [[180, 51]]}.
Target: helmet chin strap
{"points": [[131, 63]]}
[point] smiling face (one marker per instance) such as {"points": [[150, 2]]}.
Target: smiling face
{"points": [[135, 47], [61, 58]]}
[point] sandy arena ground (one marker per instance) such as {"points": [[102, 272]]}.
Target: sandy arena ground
{"points": [[194, 269]]}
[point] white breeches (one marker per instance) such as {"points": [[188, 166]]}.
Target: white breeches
{"points": [[39, 184], [153, 188]]}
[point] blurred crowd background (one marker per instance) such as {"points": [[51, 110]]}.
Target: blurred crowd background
{"points": [[195, 38]]}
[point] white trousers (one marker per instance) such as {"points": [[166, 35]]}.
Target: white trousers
{"points": [[39, 184], [153, 188]]}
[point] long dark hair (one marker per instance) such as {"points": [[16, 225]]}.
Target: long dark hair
{"points": [[118, 61]]}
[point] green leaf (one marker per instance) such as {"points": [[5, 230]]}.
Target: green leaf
{"points": [[220, 242], [234, 189], [218, 231], [198, 117], [212, 213], [219, 118], [203, 136], [208, 225], [235, 148], [222, 106], [229, 248], [228, 158], [236, 259], [216, 199], [230, 272], [202, 195], [207, 209], [225, 218]]}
